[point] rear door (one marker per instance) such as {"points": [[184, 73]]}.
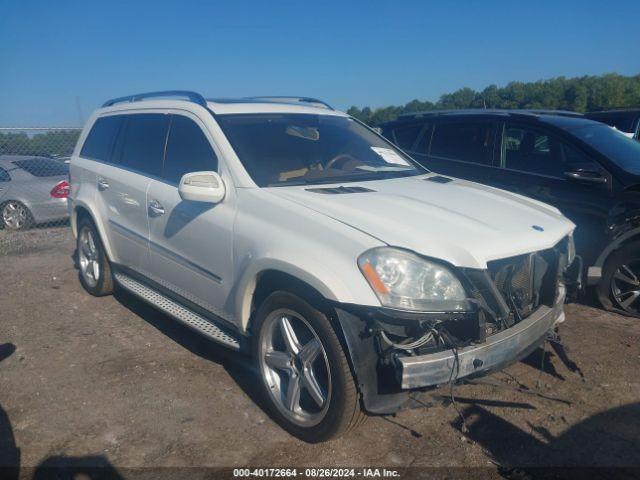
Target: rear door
{"points": [[462, 148], [538, 163], [122, 185], [191, 242]]}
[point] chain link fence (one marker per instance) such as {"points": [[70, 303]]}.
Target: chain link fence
{"points": [[33, 176]]}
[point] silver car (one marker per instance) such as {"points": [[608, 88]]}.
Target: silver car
{"points": [[33, 190]]}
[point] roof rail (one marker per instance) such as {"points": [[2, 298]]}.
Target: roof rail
{"points": [[492, 111], [291, 99], [191, 96]]}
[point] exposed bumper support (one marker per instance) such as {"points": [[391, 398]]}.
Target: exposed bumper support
{"points": [[498, 351]]}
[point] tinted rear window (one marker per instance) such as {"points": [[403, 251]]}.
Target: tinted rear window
{"points": [[468, 141], [405, 136], [188, 150], [101, 138], [4, 176], [43, 167], [141, 146]]}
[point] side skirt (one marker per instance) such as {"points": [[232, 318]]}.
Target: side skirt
{"points": [[168, 303]]}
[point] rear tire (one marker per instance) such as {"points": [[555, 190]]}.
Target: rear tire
{"points": [[14, 215], [325, 403], [93, 265], [619, 287]]}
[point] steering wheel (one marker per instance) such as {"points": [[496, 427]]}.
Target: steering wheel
{"points": [[342, 157]]}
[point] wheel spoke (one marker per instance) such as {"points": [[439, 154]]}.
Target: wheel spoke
{"points": [[95, 268], [624, 274], [292, 402], [278, 360], [289, 336], [92, 245], [311, 384], [632, 297], [309, 352], [85, 249]]}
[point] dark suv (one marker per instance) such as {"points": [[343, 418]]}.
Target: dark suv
{"points": [[625, 120], [586, 169]]}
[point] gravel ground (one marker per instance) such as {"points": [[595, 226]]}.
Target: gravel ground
{"points": [[112, 382]]}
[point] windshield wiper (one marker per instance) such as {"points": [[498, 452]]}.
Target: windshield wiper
{"points": [[359, 177]]}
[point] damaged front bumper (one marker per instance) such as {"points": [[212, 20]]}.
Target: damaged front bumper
{"points": [[513, 316], [499, 350]]}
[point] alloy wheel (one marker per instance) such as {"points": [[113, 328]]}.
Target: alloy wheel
{"points": [[295, 368], [625, 287], [88, 257], [15, 215]]}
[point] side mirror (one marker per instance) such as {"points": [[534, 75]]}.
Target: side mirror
{"points": [[585, 176], [205, 187]]}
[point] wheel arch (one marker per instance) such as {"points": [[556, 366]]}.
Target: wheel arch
{"points": [[624, 239], [82, 210], [281, 277]]}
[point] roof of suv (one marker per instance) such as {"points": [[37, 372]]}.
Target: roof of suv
{"points": [[264, 104], [560, 118]]}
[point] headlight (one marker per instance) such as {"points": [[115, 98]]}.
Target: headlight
{"points": [[405, 281]]}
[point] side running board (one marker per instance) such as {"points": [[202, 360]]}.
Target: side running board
{"points": [[174, 309]]}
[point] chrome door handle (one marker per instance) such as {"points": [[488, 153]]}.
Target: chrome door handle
{"points": [[102, 184], [155, 208]]}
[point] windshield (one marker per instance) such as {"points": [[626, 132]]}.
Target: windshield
{"points": [[616, 146], [294, 149]]}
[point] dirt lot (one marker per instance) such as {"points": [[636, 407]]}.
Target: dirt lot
{"points": [[110, 381]]}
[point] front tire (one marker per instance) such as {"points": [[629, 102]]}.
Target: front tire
{"points": [[305, 377], [619, 287], [94, 267]]}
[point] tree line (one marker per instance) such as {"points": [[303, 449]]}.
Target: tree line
{"points": [[579, 94], [52, 143]]}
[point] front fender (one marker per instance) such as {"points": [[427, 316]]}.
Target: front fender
{"points": [[330, 284]]}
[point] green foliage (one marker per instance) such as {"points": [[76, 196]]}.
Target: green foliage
{"points": [[580, 94], [52, 143]]}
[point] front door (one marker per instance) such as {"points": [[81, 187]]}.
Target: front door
{"points": [[537, 163], [191, 242]]}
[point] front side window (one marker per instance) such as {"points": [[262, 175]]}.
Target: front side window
{"points": [[287, 149], [101, 139], [468, 141], [43, 167], [617, 147], [141, 146], [531, 150], [188, 150], [4, 175]]}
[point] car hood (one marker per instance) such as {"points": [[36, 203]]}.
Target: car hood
{"points": [[461, 222]]}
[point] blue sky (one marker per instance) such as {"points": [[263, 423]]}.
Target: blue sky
{"points": [[60, 59]]}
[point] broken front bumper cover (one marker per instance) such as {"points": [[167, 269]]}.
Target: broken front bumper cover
{"points": [[499, 350]]}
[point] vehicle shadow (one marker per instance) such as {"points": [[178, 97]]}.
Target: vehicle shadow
{"points": [[96, 467], [237, 365], [9, 452], [604, 445]]}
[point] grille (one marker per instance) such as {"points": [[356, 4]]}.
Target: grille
{"points": [[526, 281]]}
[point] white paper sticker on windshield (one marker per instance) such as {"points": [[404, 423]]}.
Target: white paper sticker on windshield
{"points": [[390, 156]]}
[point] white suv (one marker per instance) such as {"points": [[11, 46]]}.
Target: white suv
{"points": [[287, 229]]}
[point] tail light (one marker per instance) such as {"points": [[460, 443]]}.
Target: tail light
{"points": [[61, 190]]}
